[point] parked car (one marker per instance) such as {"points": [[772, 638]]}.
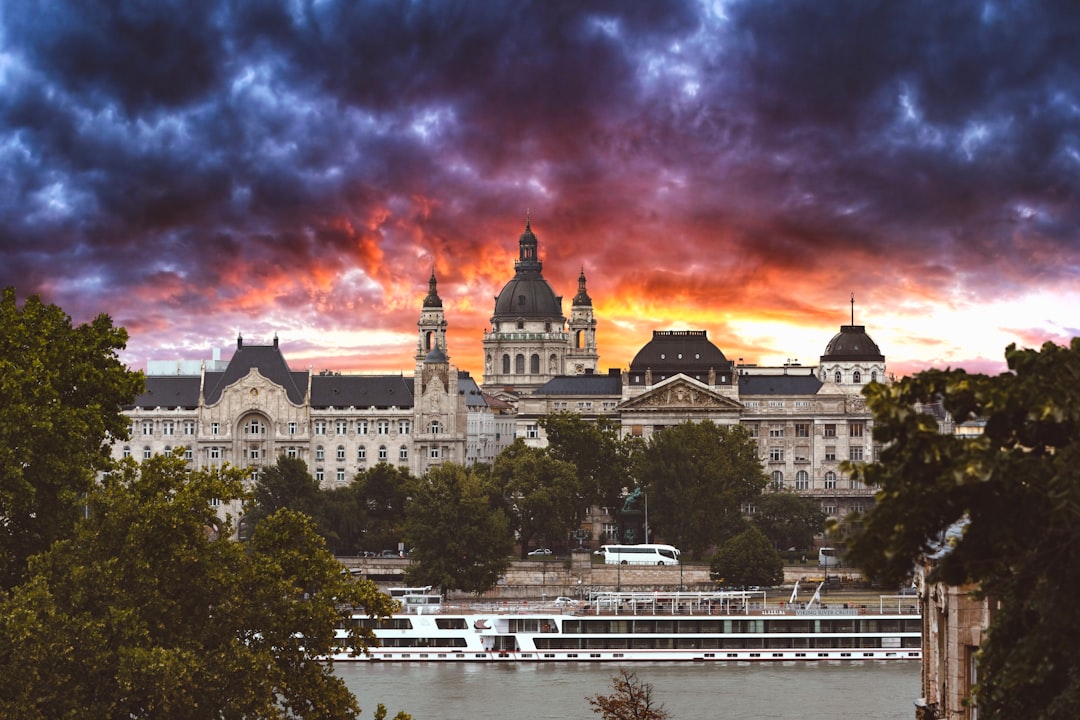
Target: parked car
{"points": [[565, 601], [540, 551], [390, 554], [369, 554]]}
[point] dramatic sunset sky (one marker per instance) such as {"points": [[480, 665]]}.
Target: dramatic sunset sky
{"points": [[202, 168]]}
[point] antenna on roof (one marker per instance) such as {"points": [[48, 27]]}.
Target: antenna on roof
{"points": [[852, 308]]}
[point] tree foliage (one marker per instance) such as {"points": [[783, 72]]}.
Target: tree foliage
{"points": [[285, 484], [603, 460], [460, 539], [384, 491], [543, 497], [61, 392], [1015, 491], [150, 610], [632, 700], [697, 476], [746, 560], [789, 520]]}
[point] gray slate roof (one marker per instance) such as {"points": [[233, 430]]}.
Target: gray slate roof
{"points": [[581, 385], [169, 391], [381, 391]]}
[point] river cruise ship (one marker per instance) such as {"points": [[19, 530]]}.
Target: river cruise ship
{"points": [[627, 627]]}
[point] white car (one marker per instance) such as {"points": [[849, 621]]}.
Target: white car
{"points": [[540, 551], [565, 601]]}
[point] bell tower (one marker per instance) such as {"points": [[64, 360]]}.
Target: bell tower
{"points": [[432, 324], [582, 357]]}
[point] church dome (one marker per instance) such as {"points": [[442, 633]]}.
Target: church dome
{"points": [[674, 351], [528, 294], [852, 344]]}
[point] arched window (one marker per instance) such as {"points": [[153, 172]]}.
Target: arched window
{"points": [[830, 480], [802, 480], [873, 376], [579, 339], [839, 377], [534, 364], [403, 453], [519, 364], [777, 480], [435, 427], [340, 452], [856, 377], [506, 364], [382, 452]]}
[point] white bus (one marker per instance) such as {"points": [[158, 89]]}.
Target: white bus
{"points": [[646, 554], [827, 557], [400, 592]]}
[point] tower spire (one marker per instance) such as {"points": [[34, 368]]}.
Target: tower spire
{"points": [[852, 308]]}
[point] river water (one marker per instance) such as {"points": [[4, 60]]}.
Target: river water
{"points": [[837, 690]]}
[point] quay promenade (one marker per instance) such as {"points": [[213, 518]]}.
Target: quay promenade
{"points": [[577, 576]]}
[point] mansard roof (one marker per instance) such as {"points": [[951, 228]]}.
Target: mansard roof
{"points": [[270, 363], [467, 386], [361, 391], [679, 351], [803, 384], [169, 391], [581, 385]]}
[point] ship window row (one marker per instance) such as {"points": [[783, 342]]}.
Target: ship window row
{"points": [[394, 623], [750, 625], [422, 642], [562, 642]]}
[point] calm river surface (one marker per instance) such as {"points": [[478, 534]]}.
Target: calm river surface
{"points": [[807, 691]]}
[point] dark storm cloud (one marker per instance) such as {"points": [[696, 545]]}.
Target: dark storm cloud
{"points": [[244, 159]]}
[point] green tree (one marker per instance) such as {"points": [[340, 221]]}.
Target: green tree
{"points": [[344, 519], [747, 559], [543, 497], [61, 395], [460, 540], [789, 520], [285, 484], [697, 476], [384, 490], [1014, 490], [603, 459], [150, 610], [632, 700]]}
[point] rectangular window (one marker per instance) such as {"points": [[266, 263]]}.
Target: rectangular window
{"points": [[320, 475], [292, 428], [189, 427], [342, 427], [830, 452], [167, 427], [361, 427], [433, 453], [291, 453], [215, 428], [776, 431], [146, 453], [855, 453], [802, 430], [403, 454], [382, 427], [341, 475], [532, 431], [753, 428], [403, 427], [127, 451], [830, 430], [148, 427], [829, 510], [361, 453], [253, 453], [855, 429], [320, 427], [187, 454], [382, 452], [215, 453], [776, 454], [341, 452]]}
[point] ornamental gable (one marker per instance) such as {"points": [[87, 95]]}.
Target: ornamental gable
{"points": [[681, 393]]}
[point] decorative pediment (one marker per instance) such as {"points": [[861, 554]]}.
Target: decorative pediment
{"points": [[683, 394]]}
